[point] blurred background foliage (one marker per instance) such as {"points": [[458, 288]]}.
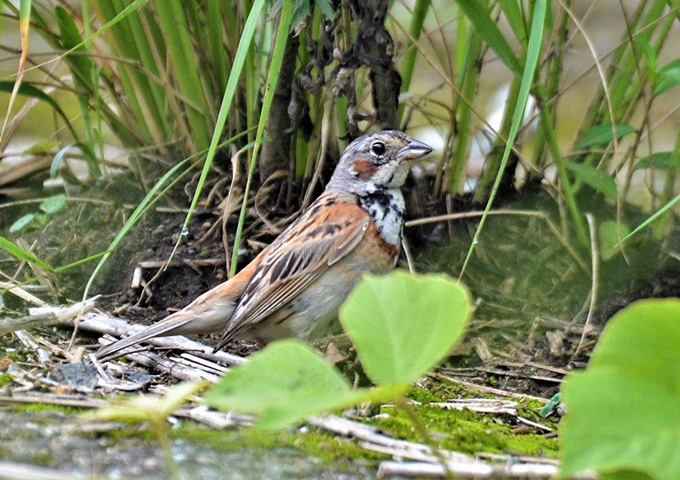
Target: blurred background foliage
{"points": [[115, 86]]}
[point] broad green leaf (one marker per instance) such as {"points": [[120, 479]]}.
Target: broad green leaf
{"points": [[23, 222], [608, 234], [403, 325], [481, 20], [643, 340], [282, 384], [603, 134], [594, 178], [53, 204], [619, 422], [18, 252], [624, 411]]}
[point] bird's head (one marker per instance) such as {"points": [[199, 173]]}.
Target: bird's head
{"points": [[375, 161]]}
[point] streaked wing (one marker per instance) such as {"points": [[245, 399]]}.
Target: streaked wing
{"points": [[298, 257]]}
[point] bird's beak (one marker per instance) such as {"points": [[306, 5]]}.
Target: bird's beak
{"points": [[413, 150]]}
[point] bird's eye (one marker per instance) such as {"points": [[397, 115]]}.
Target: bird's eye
{"points": [[378, 148]]}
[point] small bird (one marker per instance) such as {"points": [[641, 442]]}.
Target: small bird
{"points": [[296, 285]]}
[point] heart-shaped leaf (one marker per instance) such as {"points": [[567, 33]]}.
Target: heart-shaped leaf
{"points": [[624, 411], [284, 383], [403, 325]]}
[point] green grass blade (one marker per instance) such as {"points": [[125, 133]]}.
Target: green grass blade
{"points": [[659, 213], [18, 252], [215, 33], [533, 53], [137, 214], [24, 26], [227, 100], [272, 79], [173, 23], [513, 13], [482, 22], [32, 91], [417, 19], [147, 203]]}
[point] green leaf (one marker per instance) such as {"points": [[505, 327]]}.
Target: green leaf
{"points": [[481, 20], [41, 148], [619, 422], [81, 65], [53, 204], [595, 178], [23, 222], [657, 160], [18, 252], [403, 325], [669, 78], [284, 383], [603, 134], [145, 408], [608, 234], [513, 14], [326, 8], [29, 90], [624, 411]]}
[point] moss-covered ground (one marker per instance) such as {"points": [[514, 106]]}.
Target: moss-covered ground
{"points": [[462, 431]]}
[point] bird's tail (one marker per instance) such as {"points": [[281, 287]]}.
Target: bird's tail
{"points": [[171, 325], [200, 316]]}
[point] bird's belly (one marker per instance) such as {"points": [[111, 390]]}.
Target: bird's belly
{"points": [[313, 313]]}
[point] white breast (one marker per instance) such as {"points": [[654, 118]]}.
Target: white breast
{"points": [[387, 211]]}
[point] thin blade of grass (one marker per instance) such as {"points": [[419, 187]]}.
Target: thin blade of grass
{"points": [[18, 252], [24, 24], [482, 22], [651, 219], [30, 90], [147, 203], [227, 100], [531, 62], [173, 23], [417, 19], [133, 7], [274, 67]]}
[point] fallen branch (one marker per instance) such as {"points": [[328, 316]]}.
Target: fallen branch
{"points": [[45, 316]]}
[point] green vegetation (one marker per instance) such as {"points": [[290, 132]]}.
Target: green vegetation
{"points": [[265, 94], [623, 412], [401, 326], [5, 379]]}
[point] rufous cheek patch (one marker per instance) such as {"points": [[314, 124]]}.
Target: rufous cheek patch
{"points": [[364, 168]]}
